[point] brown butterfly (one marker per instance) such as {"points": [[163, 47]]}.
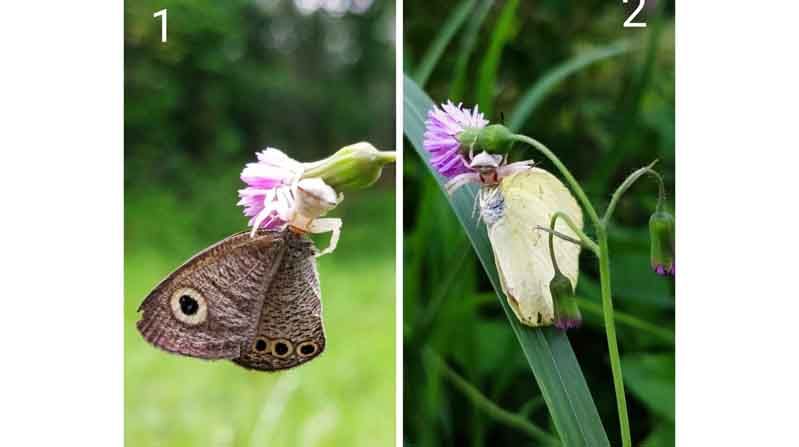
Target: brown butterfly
{"points": [[252, 298]]}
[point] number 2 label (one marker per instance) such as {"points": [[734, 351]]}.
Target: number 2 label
{"points": [[629, 22]]}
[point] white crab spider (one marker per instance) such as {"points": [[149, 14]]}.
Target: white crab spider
{"points": [[301, 205], [486, 169]]}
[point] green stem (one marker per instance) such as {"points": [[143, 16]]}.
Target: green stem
{"points": [[552, 239], [490, 408], [584, 239], [610, 330], [565, 237], [578, 190], [625, 319], [387, 156], [628, 182], [604, 278]]}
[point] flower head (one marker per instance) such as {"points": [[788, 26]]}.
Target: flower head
{"points": [[661, 233], [567, 313], [268, 198], [446, 129]]}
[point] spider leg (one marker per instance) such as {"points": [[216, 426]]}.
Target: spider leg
{"points": [[327, 225], [461, 180]]}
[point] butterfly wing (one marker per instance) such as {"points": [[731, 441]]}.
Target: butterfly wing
{"points": [[290, 330], [209, 307], [521, 250]]}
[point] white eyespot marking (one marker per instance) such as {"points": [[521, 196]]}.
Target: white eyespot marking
{"points": [[189, 306], [307, 349], [281, 348]]}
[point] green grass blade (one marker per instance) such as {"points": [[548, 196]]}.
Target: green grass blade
{"points": [[436, 49], [546, 83], [487, 406], [547, 350], [503, 31], [468, 42]]}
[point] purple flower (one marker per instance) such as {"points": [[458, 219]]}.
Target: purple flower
{"points": [[442, 128], [268, 197], [568, 323], [667, 270]]}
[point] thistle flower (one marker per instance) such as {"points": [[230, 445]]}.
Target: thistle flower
{"points": [[268, 197], [449, 129], [661, 233], [567, 313]]}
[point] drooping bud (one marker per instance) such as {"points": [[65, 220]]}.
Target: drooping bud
{"points": [[661, 233], [567, 313], [352, 167]]}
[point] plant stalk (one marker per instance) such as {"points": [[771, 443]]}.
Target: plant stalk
{"points": [[584, 239], [610, 331], [578, 190], [489, 407], [604, 278], [628, 182]]}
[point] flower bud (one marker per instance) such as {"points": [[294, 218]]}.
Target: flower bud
{"points": [[495, 138], [356, 166], [661, 233], [567, 313]]}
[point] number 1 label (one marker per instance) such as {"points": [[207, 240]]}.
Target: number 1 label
{"points": [[162, 14]]}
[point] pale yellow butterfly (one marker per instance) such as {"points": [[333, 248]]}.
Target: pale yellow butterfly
{"points": [[514, 200]]}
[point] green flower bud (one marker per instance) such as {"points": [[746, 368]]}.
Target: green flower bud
{"points": [[567, 313], [661, 233], [495, 138], [352, 167]]}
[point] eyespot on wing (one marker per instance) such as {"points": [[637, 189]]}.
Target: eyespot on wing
{"points": [[210, 305]]}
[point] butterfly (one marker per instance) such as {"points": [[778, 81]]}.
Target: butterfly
{"points": [[513, 201], [252, 298]]}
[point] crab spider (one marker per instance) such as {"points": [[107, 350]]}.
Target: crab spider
{"points": [[486, 170], [301, 206]]}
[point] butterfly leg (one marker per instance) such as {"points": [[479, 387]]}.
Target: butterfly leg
{"points": [[327, 225]]}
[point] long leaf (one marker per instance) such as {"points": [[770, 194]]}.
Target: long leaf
{"points": [[546, 83], [436, 49], [468, 42], [547, 350], [502, 33]]}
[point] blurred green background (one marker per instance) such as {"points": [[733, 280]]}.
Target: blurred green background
{"points": [[233, 78], [603, 120]]}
